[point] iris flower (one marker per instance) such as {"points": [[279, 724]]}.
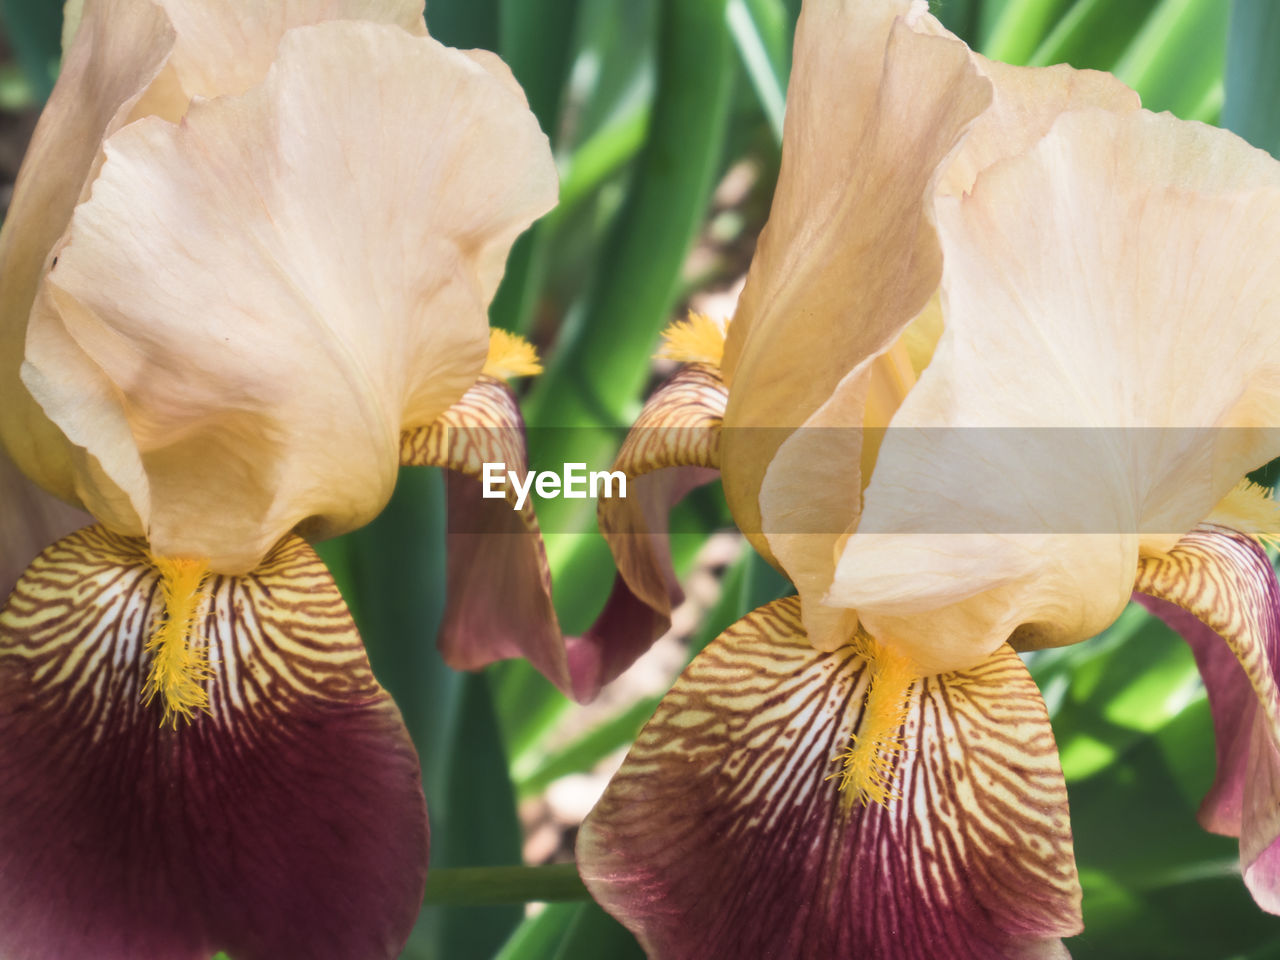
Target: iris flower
{"points": [[1065, 312], [245, 277]]}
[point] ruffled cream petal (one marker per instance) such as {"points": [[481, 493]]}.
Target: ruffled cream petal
{"points": [[1025, 104], [1116, 278], [280, 285], [118, 49], [224, 47], [849, 255], [850, 258]]}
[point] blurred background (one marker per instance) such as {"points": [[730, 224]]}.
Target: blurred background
{"points": [[666, 119]]}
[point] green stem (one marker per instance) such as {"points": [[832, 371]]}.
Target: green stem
{"points": [[475, 886]]}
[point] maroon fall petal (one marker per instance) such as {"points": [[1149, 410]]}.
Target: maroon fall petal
{"points": [[285, 822], [673, 448], [1217, 589], [725, 835], [499, 583]]}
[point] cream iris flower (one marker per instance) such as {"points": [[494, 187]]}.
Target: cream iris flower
{"points": [[245, 276], [1064, 311]]}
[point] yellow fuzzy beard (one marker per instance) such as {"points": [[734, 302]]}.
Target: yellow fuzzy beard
{"points": [[867, 765], [698, 339], [1250, 509], [510, 356], [179, 660]]}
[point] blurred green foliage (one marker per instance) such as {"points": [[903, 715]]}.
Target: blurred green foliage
{"points": [[648, 103]]}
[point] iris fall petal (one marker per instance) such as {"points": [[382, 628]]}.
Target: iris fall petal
{"points": [[673, 447], [1218, 589], [286, 822], [725, 835], [495, 550]]}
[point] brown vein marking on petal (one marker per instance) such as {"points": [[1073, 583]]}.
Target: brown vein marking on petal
{"points": [[723, 836], [494, 550], [1225, 579], [673, 447], [287, 821], [485, 426], [678, 427]]}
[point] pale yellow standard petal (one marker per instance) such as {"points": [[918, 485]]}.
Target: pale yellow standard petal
{"points": [[1026, 102], [124, 59], [837, 309], [1071, 416], [849, 256], [280, 285], [118, 49], [224, 47]]}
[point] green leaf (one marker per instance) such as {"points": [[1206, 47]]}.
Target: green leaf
{"points": [[761, 584], [466, 24], [600, 367], [34, 31], [588, 750], [1176, 60], [392, 575], [761, 33], [1094, 34], [489, 885], [594, 933], [538, 937], [477, 827], [1016, 27], [536, 40], [601, 156], [1252, 107], [960, 17], [536, 43]]}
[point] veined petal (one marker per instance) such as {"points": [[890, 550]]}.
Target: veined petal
{"points": [[673, 447], [849, 255], [1026, 102], [120, 47], [30, 520], [1218, 589], [324, 328], [286, 822], [1051, 439], [224, 47], [495, 550], [808, 503], [807, 499], [724, 834]]}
